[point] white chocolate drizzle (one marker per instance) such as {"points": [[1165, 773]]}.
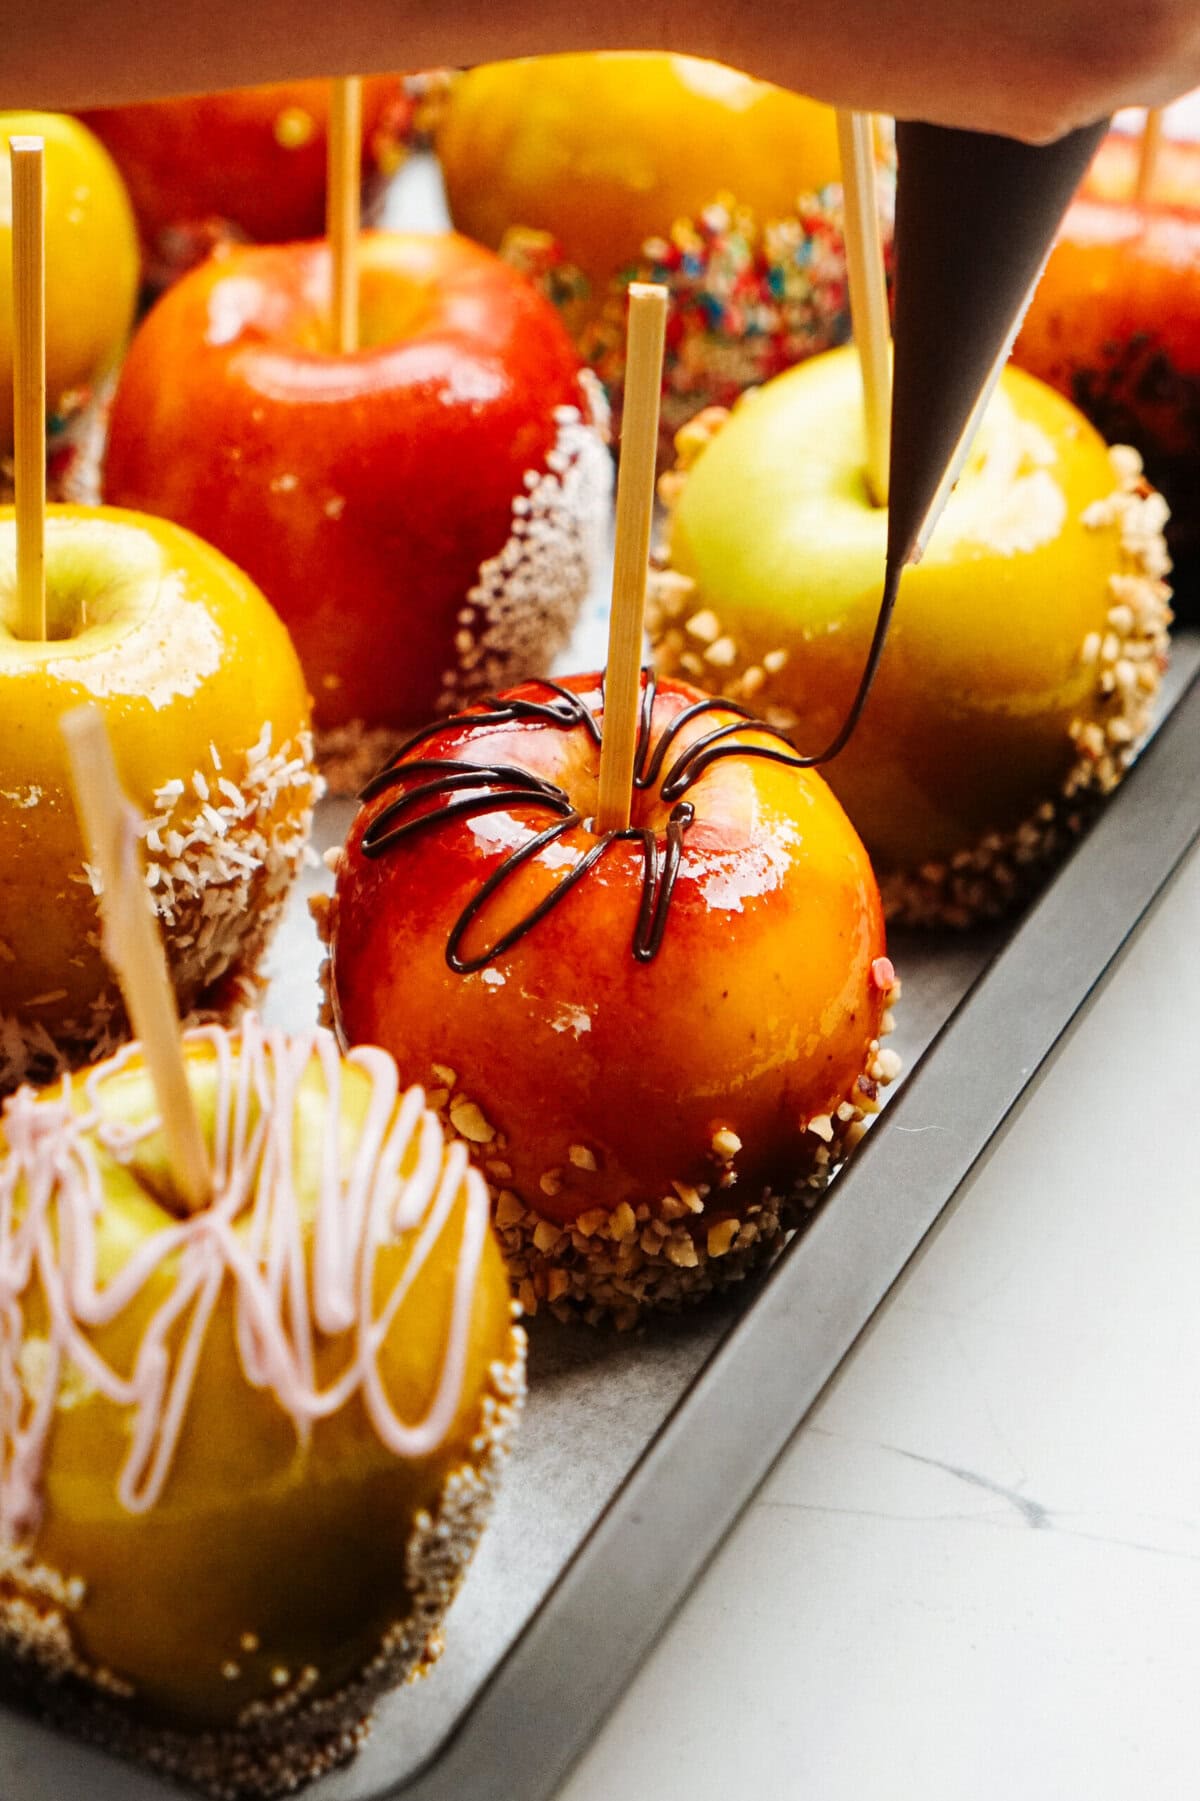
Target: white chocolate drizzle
{"points": [[253, 1236]]}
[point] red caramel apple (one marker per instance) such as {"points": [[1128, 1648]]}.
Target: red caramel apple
{"points": [[423, 512], [1115, 324], [206, 707], [247, 1451], [653, 1039], [1023, 658], [597, 169], [248, 164]]}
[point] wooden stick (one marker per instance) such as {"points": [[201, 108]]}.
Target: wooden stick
{"points": [[868, 291], [29, 380], [1151, 147], [342, 206], [635, 511], [133, 946]]}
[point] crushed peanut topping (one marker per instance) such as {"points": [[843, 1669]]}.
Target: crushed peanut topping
{"points": [[986, 879], [468, 1121]]}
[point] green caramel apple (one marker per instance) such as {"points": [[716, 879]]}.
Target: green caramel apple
{"points": [[247, 1451], [1025, 649]]}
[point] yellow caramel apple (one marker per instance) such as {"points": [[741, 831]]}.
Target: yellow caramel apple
{"points": [[590, 170], [606, 150], [656, 1040], [207, 710], [1025, 650], [92, 262], [322, 1359]]}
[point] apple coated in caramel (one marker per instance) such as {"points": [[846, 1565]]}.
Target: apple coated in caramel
{"points": [[246, 1452], [207, 711], [1025, 650], [654, 1039], [423, 512], [91, 264], [206, 169], [589, 171], [1114, 324]]}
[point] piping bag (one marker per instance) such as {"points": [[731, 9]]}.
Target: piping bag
{"points": [[976, 216]]}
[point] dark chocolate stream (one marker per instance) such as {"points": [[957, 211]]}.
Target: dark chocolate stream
{"points": [[471, 789]]}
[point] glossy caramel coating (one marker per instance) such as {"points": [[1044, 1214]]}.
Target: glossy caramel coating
{"points": [[252, 158], [969, 726], [1115, 325], [272, 1557], [184, 658], [599, 1079], [606, 150], [91, 262], [1175, 185], [364, 491]]}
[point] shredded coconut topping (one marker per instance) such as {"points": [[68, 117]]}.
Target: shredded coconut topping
{"points": [[521, 610], [221, 851]]}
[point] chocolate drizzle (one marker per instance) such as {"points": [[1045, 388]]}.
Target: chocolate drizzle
{"points": [[470, 790]]}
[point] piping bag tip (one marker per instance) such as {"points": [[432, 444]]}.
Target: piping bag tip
{"points": [[976, 215]]}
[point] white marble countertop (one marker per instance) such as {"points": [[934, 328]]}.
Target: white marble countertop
{"points": [[975, 1572]]}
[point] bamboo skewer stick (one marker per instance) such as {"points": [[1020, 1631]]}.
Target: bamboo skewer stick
{"points": [[868, 291], [133, 945], [1151, 148], [635, 511], [343, 205], [29, 380]]}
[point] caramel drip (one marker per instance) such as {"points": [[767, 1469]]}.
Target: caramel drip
{"points": [[469, 790], [252, 1237]]}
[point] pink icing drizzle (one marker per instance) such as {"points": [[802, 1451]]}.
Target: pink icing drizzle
{"points": [[252, 1236]]}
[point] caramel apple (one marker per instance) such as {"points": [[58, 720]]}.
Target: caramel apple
{"points": [[657, 1039], [1115, 323], [207, 709], [423, 512], [594, 170], [323, 1359], [1024, 654], [243, 165], [91, 268]]}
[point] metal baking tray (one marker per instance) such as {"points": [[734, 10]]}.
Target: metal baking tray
{"points": [[638, 1451]]}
